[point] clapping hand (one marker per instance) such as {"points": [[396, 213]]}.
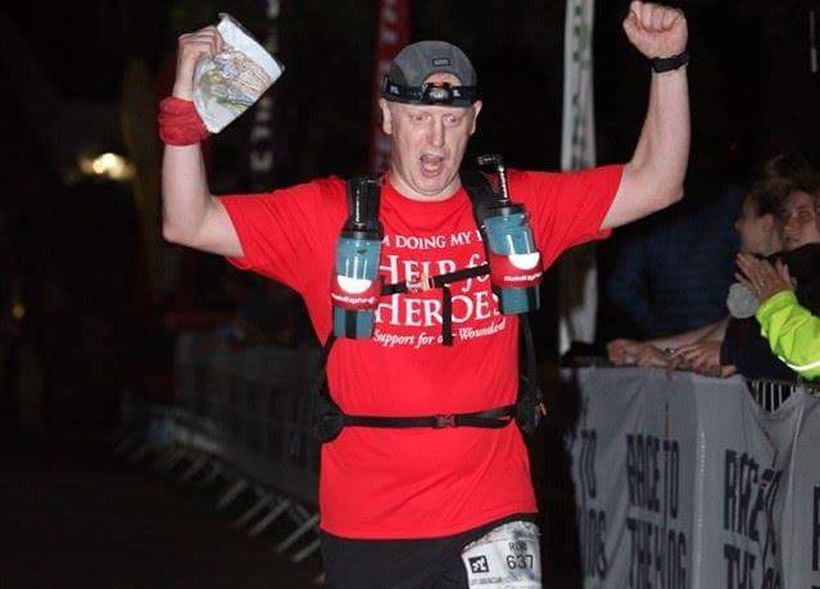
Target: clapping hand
{"points": [[763, 279]]}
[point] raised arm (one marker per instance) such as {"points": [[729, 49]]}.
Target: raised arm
{"points": [[653, 179], [191, 216]]}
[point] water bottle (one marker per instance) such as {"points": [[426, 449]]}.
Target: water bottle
{"points": [[515, 263], [356, 283]]}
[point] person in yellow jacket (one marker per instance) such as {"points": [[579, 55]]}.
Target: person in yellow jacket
{"points": [[793, 332]]}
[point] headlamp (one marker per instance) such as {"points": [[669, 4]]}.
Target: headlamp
{"points": [[441, 93], [434, 93]]}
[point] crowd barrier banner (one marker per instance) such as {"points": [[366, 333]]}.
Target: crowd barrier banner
{"points": [[744, 455], [685, 481], [801, 510], [635, 511]]}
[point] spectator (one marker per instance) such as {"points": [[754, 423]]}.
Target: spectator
{"points": [[792, 331], [673, 270], [733, 345], [743, 347], [758, 231], [785, 165]]}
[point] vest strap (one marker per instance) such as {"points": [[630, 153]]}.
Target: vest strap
{"points": [[492, 418]]}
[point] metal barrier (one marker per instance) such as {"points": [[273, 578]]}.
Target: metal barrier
{"points": [[771, 394], [231, 430]]}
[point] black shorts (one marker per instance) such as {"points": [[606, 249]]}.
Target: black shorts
{"points": [[433, 563]]}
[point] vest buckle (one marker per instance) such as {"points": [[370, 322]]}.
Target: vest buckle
{"points": [[423, 284], [443, 421]]}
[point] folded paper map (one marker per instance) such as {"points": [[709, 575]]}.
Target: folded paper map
{"points": [[228, 83]]}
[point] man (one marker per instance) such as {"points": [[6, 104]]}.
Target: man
{"points": [[399, 506]]}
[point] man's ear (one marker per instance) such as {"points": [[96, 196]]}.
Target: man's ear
{"points": [[476, 109], [387, 117]]}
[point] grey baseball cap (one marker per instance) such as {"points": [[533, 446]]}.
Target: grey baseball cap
{"points": [[418, 61]]}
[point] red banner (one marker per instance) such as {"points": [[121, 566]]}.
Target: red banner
{"points": [[392, 35]]}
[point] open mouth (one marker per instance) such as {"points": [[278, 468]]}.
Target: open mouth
{"points": [[432, 165]]}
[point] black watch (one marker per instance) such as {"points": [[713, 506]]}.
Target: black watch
{"points": [[667, 64]]}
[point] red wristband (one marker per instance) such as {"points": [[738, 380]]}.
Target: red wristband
{"points": [[179, 123]]}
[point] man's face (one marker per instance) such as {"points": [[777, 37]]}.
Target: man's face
{"points": [[756, 231], [799, 221], [428, 144]]}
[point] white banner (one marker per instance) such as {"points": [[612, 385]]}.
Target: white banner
{"points": [[633, 486], [578, 130], [684, 481], [742, 462], [578, 275], [801, 501]]}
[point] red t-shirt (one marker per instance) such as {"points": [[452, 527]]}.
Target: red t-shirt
{"points": [[418, 482]]}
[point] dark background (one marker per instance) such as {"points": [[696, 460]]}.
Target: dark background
{"points": [[750, 77], [73, 250]]}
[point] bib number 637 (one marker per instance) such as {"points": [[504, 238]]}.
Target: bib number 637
{"points": [[520, 561]]}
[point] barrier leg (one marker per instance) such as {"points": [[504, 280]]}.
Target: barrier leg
{"points": [[275, 514], [263, 502], [232, 493], [195, 467], [306, 551], [309, 524], [169, 460], [216, 470], [299, 514]]}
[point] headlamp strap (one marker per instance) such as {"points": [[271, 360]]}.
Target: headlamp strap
{"points": [[431, 93]]}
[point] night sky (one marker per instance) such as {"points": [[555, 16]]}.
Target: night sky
{"points": [[752, 94], [749, 75]]}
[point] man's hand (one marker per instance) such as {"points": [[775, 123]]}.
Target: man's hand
{"points": [[762, 278], [656, 30], [191, 48]]}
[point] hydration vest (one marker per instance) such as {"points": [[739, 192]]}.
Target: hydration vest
{"points": [[328, 418]]}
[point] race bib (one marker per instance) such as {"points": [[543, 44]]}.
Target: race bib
{"points": [[507, 557]]}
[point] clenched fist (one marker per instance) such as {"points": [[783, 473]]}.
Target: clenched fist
{"points": [[656, 30], [191, 48]]}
